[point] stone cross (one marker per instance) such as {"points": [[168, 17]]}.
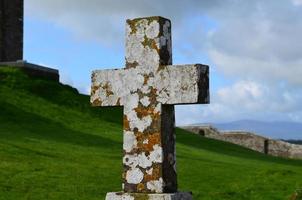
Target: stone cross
{"points": [[148, 88], [11, 30]]}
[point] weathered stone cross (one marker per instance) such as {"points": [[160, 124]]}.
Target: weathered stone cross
{"points": [[148, 88]]}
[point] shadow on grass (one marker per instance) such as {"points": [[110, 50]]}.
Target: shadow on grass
{"points": [[17, 124], [196, 141]]}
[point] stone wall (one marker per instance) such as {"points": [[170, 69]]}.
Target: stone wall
{"points": [[250, 141], [11, 30], [284, 149]]}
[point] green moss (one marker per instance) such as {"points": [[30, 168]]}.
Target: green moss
{"points": [[138, 196]]}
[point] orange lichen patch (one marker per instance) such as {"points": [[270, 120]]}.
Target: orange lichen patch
{"points": [[139, 137], [150, 43], [156, 174], [146, 79], [143, 111], [131, 65], [106, 87], [132, 24], [156, 116], [155, 125], [97, 102], [153, 95], [94, 89], [154, 46], [126, 123], [146, 41], [140, 187], [153, 139]]}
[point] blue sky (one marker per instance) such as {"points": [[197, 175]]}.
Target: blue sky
{"points": [[253, 49]]}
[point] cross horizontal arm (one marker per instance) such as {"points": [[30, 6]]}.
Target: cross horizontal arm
{"points": [[174, 84], [183, 84]]}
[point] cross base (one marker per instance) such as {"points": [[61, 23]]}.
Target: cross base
{"points": [[148, 196]]}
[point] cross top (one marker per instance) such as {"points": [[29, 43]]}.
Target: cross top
{"points": [[148, 88], [148, 43]]}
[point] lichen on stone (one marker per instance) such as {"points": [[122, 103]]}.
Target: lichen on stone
{"points": [[147, 84]]}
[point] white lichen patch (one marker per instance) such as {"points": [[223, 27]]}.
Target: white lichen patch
{"points": [[130, 141], [130, 160], [145, 89], [133, 85], [144, 161], [158, 108], [155, 186], [156, 155], [178, 84], [134, 176], [152, 30], [136, 122], [145, 101], [141, 124]]}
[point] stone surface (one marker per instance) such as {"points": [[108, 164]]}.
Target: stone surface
{"points": [[250, 140], [34, 70], [148, 88], [11, 30], [140, 196]]}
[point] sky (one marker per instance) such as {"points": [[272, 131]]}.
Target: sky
{"points": [[253, 48]]}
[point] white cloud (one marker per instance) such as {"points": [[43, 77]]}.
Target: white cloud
{"points": [[255, 43], [245, 100], [297, 2], [269, 70]]}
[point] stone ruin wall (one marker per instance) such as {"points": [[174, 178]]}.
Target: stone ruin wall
{"points": [[250, 141], [284, 149], [11, 30]]}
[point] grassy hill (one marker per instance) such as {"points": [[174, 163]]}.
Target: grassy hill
{"points": [[54, 146]]}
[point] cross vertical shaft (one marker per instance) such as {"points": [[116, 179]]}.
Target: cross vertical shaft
{"points": [[148, 125]]}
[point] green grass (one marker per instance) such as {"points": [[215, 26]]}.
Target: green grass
{"points": [[53, 145]]}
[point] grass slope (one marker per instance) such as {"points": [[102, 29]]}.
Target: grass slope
{"points": [[53, 145]]}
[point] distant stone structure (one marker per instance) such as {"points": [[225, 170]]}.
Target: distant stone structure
{"points": [[33, 70], [251, 141], [11, 41], [148, 88], [11, 30]]}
